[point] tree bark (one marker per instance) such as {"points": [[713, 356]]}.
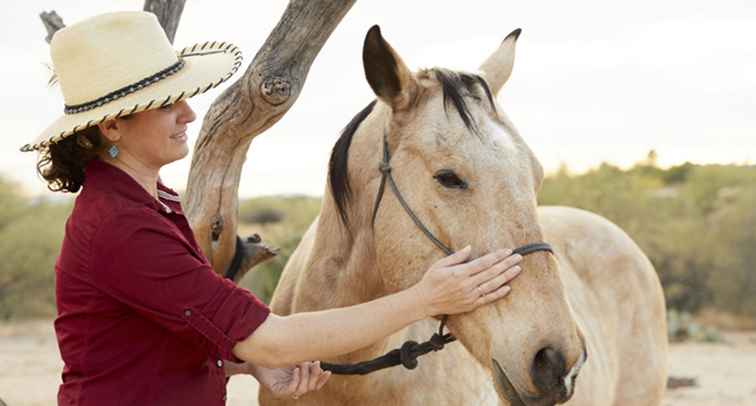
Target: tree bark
{"points": [[52, 22], [256, 101], [168, 13]]}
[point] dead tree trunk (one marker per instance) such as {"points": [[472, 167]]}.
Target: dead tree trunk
{"points": [[256, 101], [269, 87]]}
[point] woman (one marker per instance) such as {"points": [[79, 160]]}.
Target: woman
{"points": [[142, 317]]}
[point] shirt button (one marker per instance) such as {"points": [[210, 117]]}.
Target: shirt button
{"points": [[219, 363], [187, 312]]}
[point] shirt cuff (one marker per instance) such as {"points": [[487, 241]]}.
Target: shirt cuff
{"points": [[238, 316]]}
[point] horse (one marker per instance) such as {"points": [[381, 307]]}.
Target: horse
{"points": [[584, 324]]}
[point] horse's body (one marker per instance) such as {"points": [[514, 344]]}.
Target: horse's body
{"points": [[597, 292], [611, 286]]}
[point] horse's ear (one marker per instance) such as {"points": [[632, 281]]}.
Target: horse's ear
{"points": [[498, 67], [387, 74]]}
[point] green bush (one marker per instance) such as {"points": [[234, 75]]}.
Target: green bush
{"points": [[697, 224], [31, 243]]}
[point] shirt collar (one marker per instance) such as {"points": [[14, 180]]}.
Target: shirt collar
{"points": [[104, 176]]}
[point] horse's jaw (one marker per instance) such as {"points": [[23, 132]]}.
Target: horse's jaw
{"points": [[505, 386]]}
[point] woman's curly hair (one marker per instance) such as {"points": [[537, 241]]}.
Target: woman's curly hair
{"points": [[62, 163]]}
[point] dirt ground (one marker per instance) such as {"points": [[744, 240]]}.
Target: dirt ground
{"points": [[726, 372]]}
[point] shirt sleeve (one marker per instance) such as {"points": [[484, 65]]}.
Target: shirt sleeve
{"points": [[142, 260]]}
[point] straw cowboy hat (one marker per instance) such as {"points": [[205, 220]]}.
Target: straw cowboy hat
{"points": [[121, 63]]}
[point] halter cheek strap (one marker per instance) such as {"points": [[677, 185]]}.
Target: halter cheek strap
{"points": [[385, 168]]}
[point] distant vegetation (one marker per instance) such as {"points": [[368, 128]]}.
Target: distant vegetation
{"points": [[696, 223]]}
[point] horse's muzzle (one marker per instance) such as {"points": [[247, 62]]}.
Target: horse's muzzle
{"points": [[554, 382]]}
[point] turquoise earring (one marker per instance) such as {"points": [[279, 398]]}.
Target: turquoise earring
{"points": [[113, 151]]}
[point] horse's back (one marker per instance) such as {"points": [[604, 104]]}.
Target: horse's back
{"points": [[617, 297]]}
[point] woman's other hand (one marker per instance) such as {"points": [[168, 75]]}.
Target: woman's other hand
{"points": [[292, 381], [454, 285]]}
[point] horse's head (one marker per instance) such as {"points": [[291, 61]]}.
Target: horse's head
{"points": [[471, 179]]}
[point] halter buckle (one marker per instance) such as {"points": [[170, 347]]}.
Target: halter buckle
{"points": [[384, 167]]}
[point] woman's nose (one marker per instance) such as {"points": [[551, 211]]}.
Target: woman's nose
{"points": [[187, 114]]}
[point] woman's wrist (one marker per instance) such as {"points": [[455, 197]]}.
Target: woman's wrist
{"points": [[254, 370], [235, 368], [418, 302]]}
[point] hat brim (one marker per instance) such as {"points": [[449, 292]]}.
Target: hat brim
{"points": [[205, 67]]}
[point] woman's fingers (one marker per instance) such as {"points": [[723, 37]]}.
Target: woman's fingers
{"points": [[453, 259], [303, 380], [495, 270], [504, 277], [309, 377], [292, 387], [497, 294], [486, 261], [323, 379], [315, 373]]}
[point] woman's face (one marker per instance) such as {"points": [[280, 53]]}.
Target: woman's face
{"points": [[154, 137]]}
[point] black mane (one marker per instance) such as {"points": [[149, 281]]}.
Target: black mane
{"points": [[338, 166], [455, 87]]}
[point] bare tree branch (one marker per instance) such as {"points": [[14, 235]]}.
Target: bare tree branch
{"points": [[255, 252], [168, 13], [256, 101], [52, 21]]}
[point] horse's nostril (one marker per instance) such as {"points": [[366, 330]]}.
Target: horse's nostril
{"points": [[549, 370]]}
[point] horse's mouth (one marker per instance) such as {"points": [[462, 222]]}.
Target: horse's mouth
{"points": [[505, 385], [516, 398]]}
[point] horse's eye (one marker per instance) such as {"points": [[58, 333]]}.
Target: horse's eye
{"points": [[448, 178]]}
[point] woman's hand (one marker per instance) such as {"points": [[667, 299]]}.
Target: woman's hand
{"points": [[292, 381], [453, 285]]}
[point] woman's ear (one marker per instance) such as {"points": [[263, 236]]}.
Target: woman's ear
{"points": [[110, 130]]}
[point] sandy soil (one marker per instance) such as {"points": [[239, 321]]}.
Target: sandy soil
{"points": [[726, 372]]}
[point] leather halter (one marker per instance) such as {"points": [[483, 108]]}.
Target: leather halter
{"points": [[410, 350]]}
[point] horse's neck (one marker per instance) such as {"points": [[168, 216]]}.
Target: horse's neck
{"points": [[341, 269]]}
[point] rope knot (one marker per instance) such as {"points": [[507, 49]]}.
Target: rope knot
{"points": [[437, 341], [407, 354]]}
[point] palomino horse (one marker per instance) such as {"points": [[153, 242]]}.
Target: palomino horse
{"points": [[470, 178]]}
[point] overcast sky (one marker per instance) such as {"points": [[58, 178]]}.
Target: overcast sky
{"points": [[593, 80]]}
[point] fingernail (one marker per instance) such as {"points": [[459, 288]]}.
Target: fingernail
{"points": [[507, 289], [517, 269]]}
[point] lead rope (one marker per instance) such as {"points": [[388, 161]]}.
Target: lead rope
{"points": [[406, 355], [409, 351]]}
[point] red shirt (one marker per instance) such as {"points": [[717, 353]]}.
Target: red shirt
{"points": [[142, 317]]}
